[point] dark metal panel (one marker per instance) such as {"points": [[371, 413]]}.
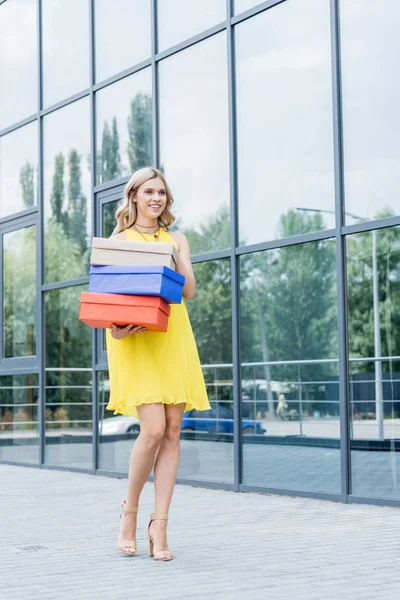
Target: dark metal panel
{"points": [[191, 41], [370, 225], [26, 363], [15, 126], [65, 102], [290, 241], [125, 73], [291, 493], [217, 254], [255, 11], [63, 284], [340, 253], [376, 501], [15, 224], [22, 370], [111, 185], [155, 86], [20, 216], [235, 302], [92, 63]]}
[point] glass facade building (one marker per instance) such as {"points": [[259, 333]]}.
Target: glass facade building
{"points": [[277, 127]]}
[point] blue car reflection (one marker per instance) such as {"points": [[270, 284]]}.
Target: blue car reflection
{"points": [[218, 419]]}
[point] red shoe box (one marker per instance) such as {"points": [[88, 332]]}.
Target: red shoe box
{"points": [[102, 310]]}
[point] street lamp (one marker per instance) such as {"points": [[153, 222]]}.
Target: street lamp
{"points": [[377, 325]]}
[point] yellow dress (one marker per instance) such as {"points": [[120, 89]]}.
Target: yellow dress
{"points": [[156, 367]]}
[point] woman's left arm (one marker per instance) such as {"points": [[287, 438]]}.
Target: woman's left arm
{"points": [[184, 265]]}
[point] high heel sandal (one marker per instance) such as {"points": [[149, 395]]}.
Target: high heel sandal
{"points": [[130, 543], [158, 554]]}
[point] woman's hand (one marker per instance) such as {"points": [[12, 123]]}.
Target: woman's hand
{"points": [[118, 333]]}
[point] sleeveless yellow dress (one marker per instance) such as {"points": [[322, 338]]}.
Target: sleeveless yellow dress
{"points": [[153, 367]]}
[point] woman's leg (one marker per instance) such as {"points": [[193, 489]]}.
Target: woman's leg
{"points": [[152, 427], [165, 469]]}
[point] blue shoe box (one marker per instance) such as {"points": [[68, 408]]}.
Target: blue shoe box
{"points": [[139, 281]]}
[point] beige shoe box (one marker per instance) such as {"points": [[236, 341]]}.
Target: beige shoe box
{"points": [[112, 252]]}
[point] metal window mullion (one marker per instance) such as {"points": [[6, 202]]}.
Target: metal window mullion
{"points": [[340, 252], [155, 84], [40, 296], [237, 407], [93, 147]]}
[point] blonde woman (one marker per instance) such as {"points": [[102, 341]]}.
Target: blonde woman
{"points": [[154, 376]]}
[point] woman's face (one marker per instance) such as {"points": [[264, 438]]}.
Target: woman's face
{"points": [[151, 198]]}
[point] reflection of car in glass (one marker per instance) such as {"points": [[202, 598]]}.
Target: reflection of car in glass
{"points": [[119, 424], [218, 419]]}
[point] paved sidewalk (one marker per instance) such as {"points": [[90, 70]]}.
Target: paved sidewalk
{"points": [[225, 544]]}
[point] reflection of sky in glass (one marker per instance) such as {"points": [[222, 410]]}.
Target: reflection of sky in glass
{"points": [[65, 129], [179, 20], [371, 97], [65, 49], [18, 50], [242, 5], [194, 130], [127, 21], [115, 101], [284, 107], [16, 150]]}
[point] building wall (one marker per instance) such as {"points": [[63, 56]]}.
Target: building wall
{"points": [[277, 127]]}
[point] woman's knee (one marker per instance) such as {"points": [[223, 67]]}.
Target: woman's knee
{"points": [[154, 434], [173, 431]]}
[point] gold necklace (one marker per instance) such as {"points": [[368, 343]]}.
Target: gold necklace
{"points": [[156, 234]]}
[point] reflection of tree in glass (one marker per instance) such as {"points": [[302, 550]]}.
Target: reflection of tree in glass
{"points": [[109, 161], [66, 233], [140, 132], [109, 220], [211, 234], [77, 208], [27, 181], [360, 294], [19, 295], [210, 311], [288, 300]]}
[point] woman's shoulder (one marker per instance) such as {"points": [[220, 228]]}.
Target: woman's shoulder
{"points": [[119, 236], [178, 236]]}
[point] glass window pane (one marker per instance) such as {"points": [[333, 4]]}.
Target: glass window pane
{"points": [[284, 108], [19, 293], [373, 283], [179, 20], [65, 49], [18, 169], [68, 380], [194, 141], [124, 127], [67, 191], [370, 47], [18, 52], [109, 221], [132, 31], [19, 418], [290, 384], [210, 457]]}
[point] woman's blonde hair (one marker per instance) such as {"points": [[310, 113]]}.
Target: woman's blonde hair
{"points": [[127, 213]]}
